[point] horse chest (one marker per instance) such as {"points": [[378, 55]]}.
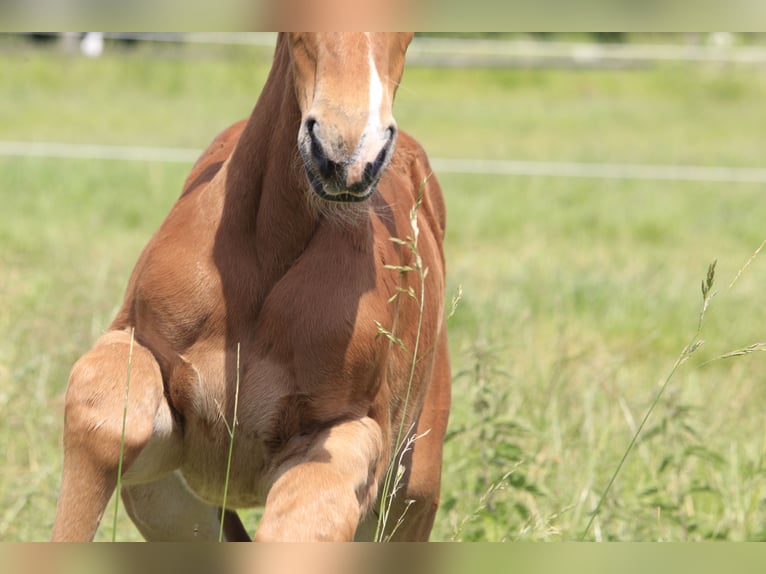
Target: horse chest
{"points": [[321, 345], [278, 392], [301, 354]]}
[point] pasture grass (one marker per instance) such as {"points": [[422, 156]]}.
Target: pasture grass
{"points": [[578, 294]]}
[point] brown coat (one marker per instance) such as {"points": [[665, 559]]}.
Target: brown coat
{"points": [[250, 290]]}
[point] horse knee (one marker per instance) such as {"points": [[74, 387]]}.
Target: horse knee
{"points": [[323, 490], [96, 400]]}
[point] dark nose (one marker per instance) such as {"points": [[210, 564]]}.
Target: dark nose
{"points": [[341, 169], [328, 169]]}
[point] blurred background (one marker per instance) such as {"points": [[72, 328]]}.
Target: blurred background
{"points": [[590, 179]]}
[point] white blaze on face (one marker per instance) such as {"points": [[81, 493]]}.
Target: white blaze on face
{"points": [[374, 135], [376, 94]]}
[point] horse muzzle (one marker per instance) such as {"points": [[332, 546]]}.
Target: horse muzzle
{"points": [[337, 174]]}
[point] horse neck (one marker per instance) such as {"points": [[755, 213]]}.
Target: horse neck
{"points": [[266, 207], [267, 211], [262, 171]]}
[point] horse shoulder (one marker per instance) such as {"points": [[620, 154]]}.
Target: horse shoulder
{"points": [[417, 313], [175, 268], [415, 161]]}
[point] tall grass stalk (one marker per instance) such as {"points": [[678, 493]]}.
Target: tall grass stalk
{"points": [[484, 502], [395, 471], [747, 263], [122, 438], [691, 347], [396, 485], [694, 344], [231, 430]]}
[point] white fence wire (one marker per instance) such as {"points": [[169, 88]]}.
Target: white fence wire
{"points": [[470, 52], [440, 165], [720, 47], [430, 51]]}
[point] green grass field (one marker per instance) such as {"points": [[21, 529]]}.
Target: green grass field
{"points": [[579, 294]]}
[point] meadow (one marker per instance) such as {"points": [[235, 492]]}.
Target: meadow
{"points": [[579, 295]]}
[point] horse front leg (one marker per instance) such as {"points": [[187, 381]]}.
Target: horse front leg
{"points": [[325, 489], [93, 429]]}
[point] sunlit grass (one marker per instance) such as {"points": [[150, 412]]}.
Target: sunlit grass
{"points": [[577, 294]]}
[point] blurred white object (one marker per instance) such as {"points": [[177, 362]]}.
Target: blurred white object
{"points": [[722, 39], [92, 44]]}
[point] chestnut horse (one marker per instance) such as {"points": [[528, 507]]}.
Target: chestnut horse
{"points": [[274, 286]]}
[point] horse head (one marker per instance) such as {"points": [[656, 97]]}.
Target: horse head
{"points": [[345, 85]]}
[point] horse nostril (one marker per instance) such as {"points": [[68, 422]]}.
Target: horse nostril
{"points": [[327, 168], [311, 130], [372, 169], [318, 154]]}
